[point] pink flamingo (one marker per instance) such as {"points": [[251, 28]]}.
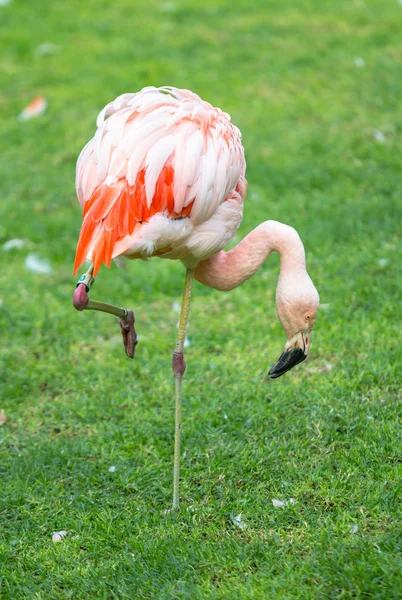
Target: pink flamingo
{"points": [[164, 176]]}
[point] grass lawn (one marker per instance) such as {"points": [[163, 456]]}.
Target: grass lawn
{"points": [[316, 88]]}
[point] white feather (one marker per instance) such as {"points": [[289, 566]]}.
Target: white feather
{"points": [[91, 179], [154, 162], [118, 164], [193, 154], [84, 161], [105, 150], [203, 206], [116, 125], [181, 181], [114, 106], [138, 131], [137, 158]]}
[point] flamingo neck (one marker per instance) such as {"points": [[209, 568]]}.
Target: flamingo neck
{"points": [[227, 270]]}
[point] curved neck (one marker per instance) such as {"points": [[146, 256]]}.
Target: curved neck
{"points": [[227, 270]]}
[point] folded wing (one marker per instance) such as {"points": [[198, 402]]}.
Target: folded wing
{"points": [[161, 150]]}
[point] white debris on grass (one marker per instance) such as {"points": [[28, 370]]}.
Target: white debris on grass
{"points": [[282, 503], [379, 136], [321, 368], [359, 62], [176, 306], [354, 529], [13, 244], [35, 264], [238, 521], [58, 536], [5, 2], [383, 262], [112, 469], [3, 417]]}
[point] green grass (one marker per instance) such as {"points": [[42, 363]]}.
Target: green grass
{"points": [[327, 434]]}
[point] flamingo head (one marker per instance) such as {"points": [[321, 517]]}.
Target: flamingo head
{"points": [[296, 304]]}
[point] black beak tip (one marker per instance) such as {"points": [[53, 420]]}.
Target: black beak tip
{"points": [[274, 371], [273, 374], [287, 361]]}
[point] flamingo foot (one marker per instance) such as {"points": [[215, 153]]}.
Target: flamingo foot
{"points": [[129, 334], [82, 302]]}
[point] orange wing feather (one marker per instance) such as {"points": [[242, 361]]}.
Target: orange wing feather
{"points": [[112, 212]]}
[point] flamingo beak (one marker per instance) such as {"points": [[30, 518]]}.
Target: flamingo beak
{"points": [[295, 352]]}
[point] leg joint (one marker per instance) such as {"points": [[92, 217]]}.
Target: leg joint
{"points": [[178, 364]]}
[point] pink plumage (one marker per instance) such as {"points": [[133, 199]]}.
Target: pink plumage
{"points": [[163, 176]]}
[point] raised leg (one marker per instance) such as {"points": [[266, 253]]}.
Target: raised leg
{"points": [[179, 366], [82, 302]]}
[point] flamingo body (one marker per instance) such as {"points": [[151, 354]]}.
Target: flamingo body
{"points": [[163, 176]]}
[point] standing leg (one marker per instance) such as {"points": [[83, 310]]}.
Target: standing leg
{"points": [[179, 366]]}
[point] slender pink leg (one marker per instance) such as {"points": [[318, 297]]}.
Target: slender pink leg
{"points": [[179, 366]]}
